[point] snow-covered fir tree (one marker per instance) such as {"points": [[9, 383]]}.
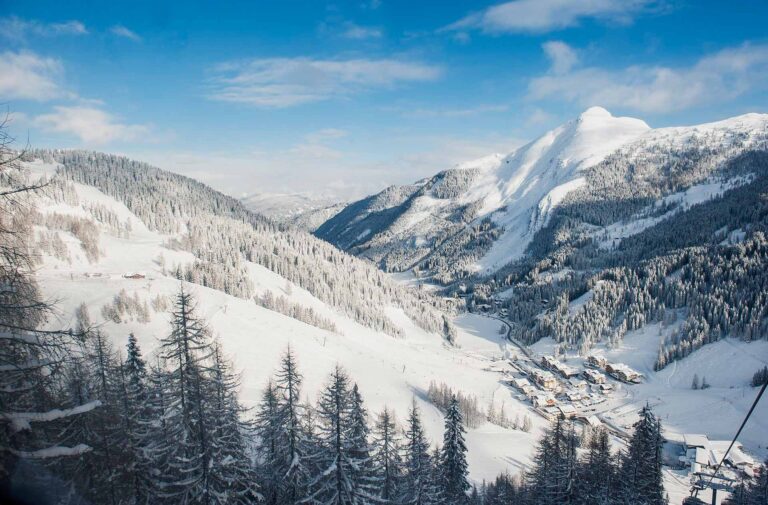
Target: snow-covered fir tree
{"points": [[417, 481], [640, 475], [387, 457], [453, 458]]}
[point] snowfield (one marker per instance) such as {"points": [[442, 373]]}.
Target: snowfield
{"points": [[391, 371]]}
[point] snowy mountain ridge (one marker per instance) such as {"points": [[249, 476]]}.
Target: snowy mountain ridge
{"points": [[486, 212]]}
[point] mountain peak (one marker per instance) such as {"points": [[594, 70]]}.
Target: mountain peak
{"points": [[595, 111]]}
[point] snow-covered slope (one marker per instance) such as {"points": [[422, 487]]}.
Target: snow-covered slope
{"points": [[481, 215], [390, 371], [284, 207]]}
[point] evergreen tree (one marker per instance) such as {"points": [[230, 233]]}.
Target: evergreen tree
{"points": [[640, 476], [502, 491], [334, 483], [417, 489], [293, 465], [365, 481], [186, 477], [268, 432], [386, 456], [552, 479], [596, 474], [232, 476], [138, 420], [108, 484], [453, 458]]}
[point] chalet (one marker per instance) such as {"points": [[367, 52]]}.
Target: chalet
{"points": [[133, 276], [544, 401], [567, 410], [544, 379], [566, 371], [520, 383], [594, 376], [577, 383], [605, 388], [623, 372], [549, 413], [597, 362], [574, 396], [549, 362], [552, 363]]}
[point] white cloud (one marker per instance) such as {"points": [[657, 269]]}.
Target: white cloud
{"points": [[451, 112], [562, 56], [18, 29], [539, 16], [122, 31], [91, 125], [27, 76], [356, 32], [285, 82], [716, 77]]}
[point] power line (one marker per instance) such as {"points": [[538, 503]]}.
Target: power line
{"points": [[744, 422]]}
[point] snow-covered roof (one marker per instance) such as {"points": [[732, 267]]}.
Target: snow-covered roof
{"points": [[593, 421], [696, 440]]}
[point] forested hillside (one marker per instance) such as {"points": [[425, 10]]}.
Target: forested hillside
{"points": [[222, 235], [688, 245], [600, 227]]}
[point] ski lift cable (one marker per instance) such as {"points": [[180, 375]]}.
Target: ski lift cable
{"points": [[743, 423]]}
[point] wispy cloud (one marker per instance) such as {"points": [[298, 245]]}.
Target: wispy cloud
{"points": [[18, 29], [562, 56], [122, 31], [420, 112], [716, 77], [539, 16], [91, 125], [357, 32], [27, 76], [286, 82]]}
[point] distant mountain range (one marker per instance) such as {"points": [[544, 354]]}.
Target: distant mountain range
{"points": [[478, 217], [598, 228]]}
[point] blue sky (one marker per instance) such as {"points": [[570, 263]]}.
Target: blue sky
{"points": [[345, 98]]}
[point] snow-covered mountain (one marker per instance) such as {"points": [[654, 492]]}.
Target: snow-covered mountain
{"points": [[115, 234], [481, 215], [299, 209]]}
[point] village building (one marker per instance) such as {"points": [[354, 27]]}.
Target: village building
{"points": [[597, 361], [521, 383], [544, 379], [567, 410], [594, 376], [549, 413], [577, 383], [544, 401], [605, 388], [623, 372], [574, 396]]}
